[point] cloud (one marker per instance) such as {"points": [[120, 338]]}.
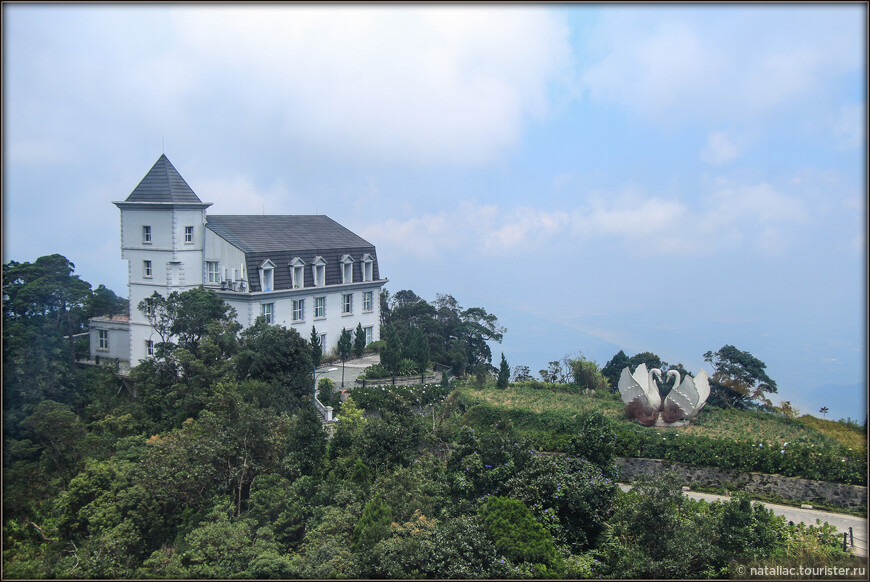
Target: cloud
{"points": [[720, 148], [422, 85], [851, 125], [754, 215], [237, 195], [681, 63]]}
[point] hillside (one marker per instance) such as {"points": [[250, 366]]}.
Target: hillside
{"points": [[754, 441]]}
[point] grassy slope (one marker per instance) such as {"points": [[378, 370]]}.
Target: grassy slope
{"points": [[712, 422], [854, 439]]}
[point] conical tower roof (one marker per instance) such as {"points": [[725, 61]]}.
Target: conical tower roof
{"points": [[163, 184]]}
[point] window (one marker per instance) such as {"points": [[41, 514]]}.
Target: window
{"points": [[323, 342], [346, 269], [369, 334], [318, 269], [188, 235], [267, 275], [320, 307], [297, 273], [298, 309], [367, 301], [347, 304], [266, 310], [149, 348], [146, 234], [146, 269], [213, 272], [368, 268], [104, 339]]}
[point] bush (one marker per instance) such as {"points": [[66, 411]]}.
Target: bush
{"points": [[519, 537], [324, 390], [596, 441], [376, 346], [656, 532], [407, 367]]}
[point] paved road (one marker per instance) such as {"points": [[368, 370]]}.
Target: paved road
{"points": [[352, 369], [841, 521]]}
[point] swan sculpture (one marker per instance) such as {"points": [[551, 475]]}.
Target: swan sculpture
{"points": [[640, 392], [687, 398]]}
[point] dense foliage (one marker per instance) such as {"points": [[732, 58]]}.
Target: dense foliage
{"points": [[215, 464]]}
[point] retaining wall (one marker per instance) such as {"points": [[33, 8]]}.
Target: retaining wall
{"points": [[837, 494]]}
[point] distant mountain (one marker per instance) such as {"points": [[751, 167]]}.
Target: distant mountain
{"points": [[843, 401]]}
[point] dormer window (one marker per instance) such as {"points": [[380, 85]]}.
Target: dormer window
{"points": [[368, 268], [146, 235], [347, 269], [267, 275], [297, 273], [318, 269]]}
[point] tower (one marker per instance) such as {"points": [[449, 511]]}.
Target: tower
{"points": [[162, 240]]}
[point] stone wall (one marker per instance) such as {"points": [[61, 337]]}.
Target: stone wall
{"points": [[836, 494]]}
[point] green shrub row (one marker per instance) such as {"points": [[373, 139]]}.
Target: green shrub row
{"points": [[809, 461], [390, 397], [378, 371], [553, 430]]}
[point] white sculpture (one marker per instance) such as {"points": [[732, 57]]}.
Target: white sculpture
{"points": [[640, 392]]}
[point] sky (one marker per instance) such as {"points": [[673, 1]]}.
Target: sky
{"points": [[663, 178]]}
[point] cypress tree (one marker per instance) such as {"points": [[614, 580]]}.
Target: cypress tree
{"points": [[391, 354], [504, 373], [359, 341], [316, 348]]}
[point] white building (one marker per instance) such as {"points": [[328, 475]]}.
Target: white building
{"points": [[298, 271]]}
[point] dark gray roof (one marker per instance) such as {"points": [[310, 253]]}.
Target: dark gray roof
{"points": [[163, 183], [261, 233]]}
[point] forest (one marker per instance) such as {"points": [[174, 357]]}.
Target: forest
{"points": [[212, 462]]}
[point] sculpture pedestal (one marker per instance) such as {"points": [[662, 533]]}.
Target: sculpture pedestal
{"points": [[663, 424]]}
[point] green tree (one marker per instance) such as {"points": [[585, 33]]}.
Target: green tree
{"points": [[316, 348], [103, 301], [650, 359], [48, 290], [276, 355], [417, 349], [384, 300], [519, 537], [373, 525], [656, 532], [521, 374], [345, 347], [55, 427], [391, 354], [359, 341], [586, 374], [739, 374], [504, 373], [553, 373], [613, 369], [748, 531]]}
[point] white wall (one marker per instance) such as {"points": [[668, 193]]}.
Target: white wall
{"points": [[229, 257], [248, 306], [176, 265], [119, 340]]}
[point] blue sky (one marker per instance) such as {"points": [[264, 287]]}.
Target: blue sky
{"points": [[662, 178]]}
